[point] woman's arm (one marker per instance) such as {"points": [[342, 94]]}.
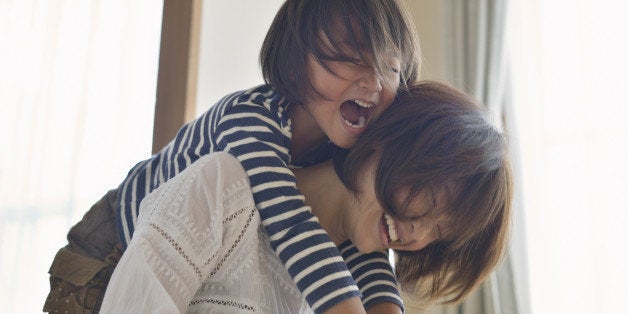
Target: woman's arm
{"points": [[134, 286]]}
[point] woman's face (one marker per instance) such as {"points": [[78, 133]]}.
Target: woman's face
{"points": [[371, 228]]}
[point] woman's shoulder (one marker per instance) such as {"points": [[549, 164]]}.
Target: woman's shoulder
{"points": [[217, 178], [220, 164], [229, 180]]}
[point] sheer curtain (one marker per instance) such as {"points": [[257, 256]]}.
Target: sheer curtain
{"points": [[477, 61], [569, 71], [77, 94]]}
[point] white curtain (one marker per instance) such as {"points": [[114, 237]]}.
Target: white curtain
{"points": [[77, 93], [477, 61], [570, 60]]}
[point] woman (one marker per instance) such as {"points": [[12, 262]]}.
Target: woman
{"points": [[429, 179]]}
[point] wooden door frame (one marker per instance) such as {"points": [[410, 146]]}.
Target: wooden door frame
{"points": [[178, 69]]}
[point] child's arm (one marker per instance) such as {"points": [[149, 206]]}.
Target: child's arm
{"points": [[374, 276], [259, 140]]}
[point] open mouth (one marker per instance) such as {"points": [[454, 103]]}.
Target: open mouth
{"points": [[356, 112], [390, 227]]}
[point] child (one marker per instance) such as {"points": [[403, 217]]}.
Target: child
{"points": [[331, 67], [430, 179]]}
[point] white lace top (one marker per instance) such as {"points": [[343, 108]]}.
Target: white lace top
{"points": [[199, 247]]}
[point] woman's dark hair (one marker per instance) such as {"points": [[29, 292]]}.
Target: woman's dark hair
{"points": [[375, 29], [434, 137]]}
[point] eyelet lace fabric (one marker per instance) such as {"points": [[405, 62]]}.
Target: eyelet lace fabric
{"points": [[199, 247]]}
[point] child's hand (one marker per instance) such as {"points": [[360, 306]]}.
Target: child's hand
{"points": [[353, 305], [384, 308]]}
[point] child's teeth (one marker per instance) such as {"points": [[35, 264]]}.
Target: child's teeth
{"points": [[392, 229], [363, 104], [359, 124]]}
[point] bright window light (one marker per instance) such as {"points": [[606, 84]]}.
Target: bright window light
{"points": [[77, 95], [570, 65]]}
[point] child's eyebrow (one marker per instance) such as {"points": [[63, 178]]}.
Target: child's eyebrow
{"points": [[345, 43], [354, 43]]}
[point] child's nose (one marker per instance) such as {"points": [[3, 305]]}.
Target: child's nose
{"points": [[371, 81]]}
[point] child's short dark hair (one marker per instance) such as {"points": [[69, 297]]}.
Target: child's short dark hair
{"points": [[373, 28], [435, 137]]}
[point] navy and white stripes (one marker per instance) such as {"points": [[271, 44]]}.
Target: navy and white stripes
{"points": [[254, 127], [373, 274]]}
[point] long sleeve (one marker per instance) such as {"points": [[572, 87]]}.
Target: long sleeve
{"points": [[134, 274], [306, 250], [373, 274]]}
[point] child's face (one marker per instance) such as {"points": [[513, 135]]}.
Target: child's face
{"points": [[351, 97], [372, 229]]}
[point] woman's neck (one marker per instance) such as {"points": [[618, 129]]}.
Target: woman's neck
{"points": [[327, 196]]}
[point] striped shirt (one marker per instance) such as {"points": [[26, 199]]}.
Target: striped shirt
{"points": [[255, 127], [373, 274]]}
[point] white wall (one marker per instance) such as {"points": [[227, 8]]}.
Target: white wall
{"points": [[428, 19], [231, 36]]}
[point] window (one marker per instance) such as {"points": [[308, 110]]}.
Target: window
{"points": [[77, 94], [570, 66]]}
